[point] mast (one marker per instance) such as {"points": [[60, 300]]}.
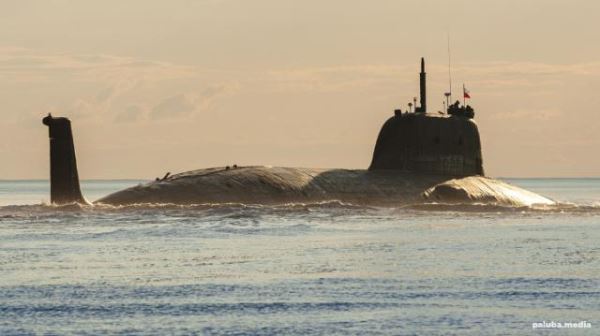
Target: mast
{"points": [[422, 78], [449, 93]]}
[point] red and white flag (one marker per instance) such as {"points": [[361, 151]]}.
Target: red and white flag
{"points": [[466, 93]]}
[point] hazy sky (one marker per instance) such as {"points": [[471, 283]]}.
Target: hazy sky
{"points": [[156, 86]]}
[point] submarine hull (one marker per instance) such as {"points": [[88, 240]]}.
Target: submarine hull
{"points": [[418, 157], [280, 185]]}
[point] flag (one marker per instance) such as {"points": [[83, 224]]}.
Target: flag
{"points": [[466, 93]]}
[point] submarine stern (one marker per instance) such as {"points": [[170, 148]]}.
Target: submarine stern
{"points": [[64, 178]]}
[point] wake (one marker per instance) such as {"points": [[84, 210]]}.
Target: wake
{"points": [[10, 211]]}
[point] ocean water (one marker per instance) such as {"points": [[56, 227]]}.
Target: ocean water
{"points": [[310, 269]]}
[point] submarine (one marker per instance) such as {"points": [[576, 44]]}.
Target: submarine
{"points": [[419, 157]]}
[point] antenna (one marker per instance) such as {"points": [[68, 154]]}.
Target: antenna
{"points": [[449, 93]]}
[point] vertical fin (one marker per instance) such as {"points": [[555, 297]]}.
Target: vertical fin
{"points": [[64, 179]]}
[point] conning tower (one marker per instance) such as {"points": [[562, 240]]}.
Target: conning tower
{"points": [[446, 144]]}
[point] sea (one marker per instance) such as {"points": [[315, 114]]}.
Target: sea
{"points": [[327, 268]]}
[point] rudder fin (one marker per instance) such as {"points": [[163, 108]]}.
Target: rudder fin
{"points": [[64, 179]]}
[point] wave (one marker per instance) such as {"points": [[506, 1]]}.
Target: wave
{"points": [[559, 207], [10, 211], [220, 210], [333, 206]]}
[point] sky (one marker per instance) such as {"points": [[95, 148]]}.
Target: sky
{"points": [[157, 86]]}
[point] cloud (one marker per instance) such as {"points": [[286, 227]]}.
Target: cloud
{"points": [[186, 104], [335, 78], [175, 106], [535, 114], [489, 74], [100, 105], [516, 69], [105, 94], [131, 113], [103, 88], [27, 65]]}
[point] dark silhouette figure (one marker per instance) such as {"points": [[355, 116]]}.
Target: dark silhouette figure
{"points": [[64, 180], [469, 112], [461, 111]]}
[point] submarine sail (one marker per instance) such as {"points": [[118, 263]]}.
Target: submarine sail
{"points": [[429, 143]]}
